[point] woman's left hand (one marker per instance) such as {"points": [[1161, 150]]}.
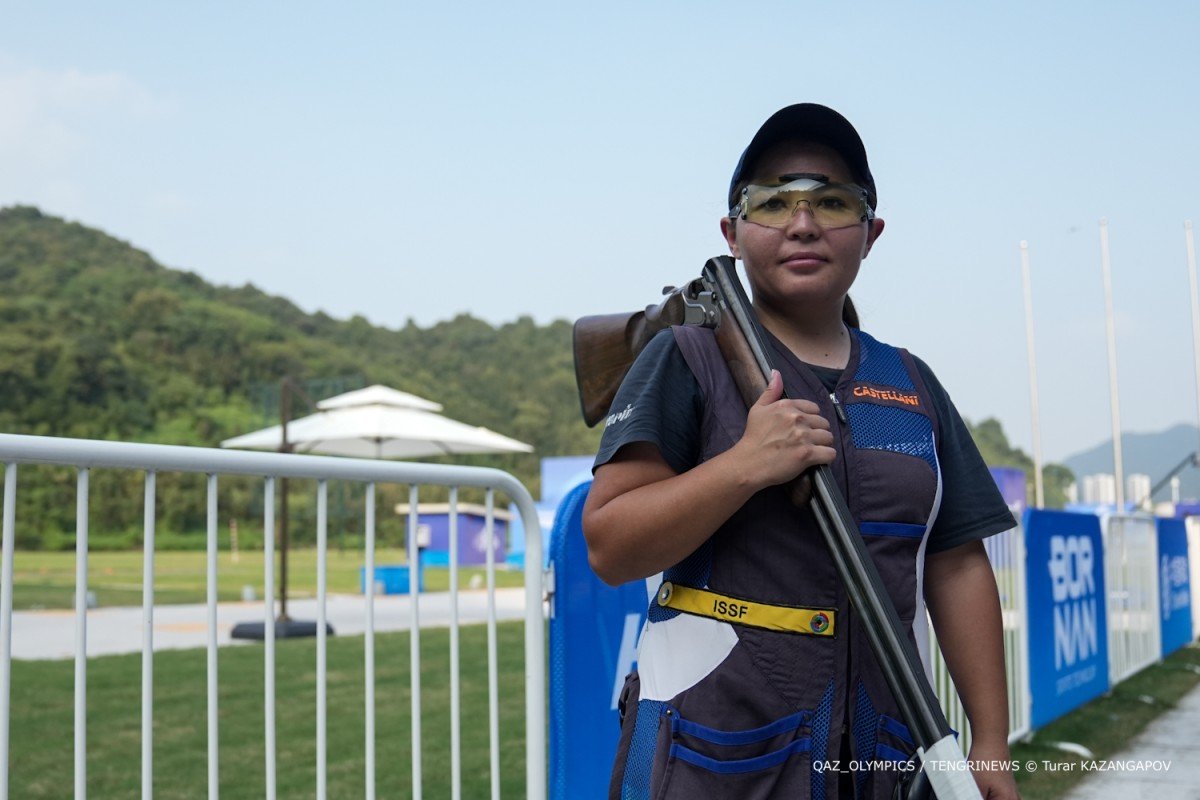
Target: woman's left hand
{"points": [[989, 767]]}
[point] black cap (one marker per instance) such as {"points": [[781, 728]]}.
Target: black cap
{"points": [[814, 123]]}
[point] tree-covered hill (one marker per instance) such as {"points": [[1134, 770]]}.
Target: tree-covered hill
{"points": [[99, 341], [997, 452]]}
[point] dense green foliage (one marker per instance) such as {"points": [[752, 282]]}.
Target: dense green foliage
{"points": [[98, 341], [997, 452]]}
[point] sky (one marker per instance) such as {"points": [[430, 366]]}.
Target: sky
{"points": [[417, 161]]}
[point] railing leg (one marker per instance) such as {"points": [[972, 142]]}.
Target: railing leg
{"points": [[269, 634], [9, 536], [414, 575], [148, 638], [369, 643], [81, 607]]}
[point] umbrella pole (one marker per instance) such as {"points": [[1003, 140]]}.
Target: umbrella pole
{"points": [[283, 549], [285, 627], [285, 415]]}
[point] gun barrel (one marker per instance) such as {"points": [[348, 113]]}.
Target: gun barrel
{"points": [[900, 664]]}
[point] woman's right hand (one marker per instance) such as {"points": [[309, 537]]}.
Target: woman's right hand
{"points": [[783, 437], [641, 516]]}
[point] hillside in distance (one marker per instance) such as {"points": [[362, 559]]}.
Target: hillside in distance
{"points": [[1153, 454], [99, 341]]}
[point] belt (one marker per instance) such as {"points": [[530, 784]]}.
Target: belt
{"points": [[702, 602]]}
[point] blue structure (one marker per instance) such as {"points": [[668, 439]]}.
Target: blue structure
{"points": [[1067, 619], [560, 474], [594, 631], [433, 525], [1174, 584], [1011, 483], [391, 578]]}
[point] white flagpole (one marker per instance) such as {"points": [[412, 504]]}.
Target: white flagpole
{"points": [[1191, 256], [1118, 467], [1033, 383]]}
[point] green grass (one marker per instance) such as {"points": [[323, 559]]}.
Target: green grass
{"points": [[1106, 725], [47, 579], [42, 720]]}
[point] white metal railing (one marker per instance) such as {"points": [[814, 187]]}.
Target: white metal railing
{"points": [[1131, 581], [1006, 551], [152, 459], [1007, 554]]}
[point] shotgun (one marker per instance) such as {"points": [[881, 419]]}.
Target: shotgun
{"points": [[717, 300]]}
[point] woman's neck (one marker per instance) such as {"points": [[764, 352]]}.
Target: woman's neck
{"points": [[813, 337]]}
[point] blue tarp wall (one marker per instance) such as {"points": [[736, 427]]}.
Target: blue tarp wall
{"points": [[1174, 585], [594, 631], [1068, 634]]}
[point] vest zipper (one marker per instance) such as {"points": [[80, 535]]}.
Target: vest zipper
{"points": [[837, 407]]}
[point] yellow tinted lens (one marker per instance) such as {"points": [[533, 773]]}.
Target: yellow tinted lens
{"points": [[832, 205], [836, 206], [766, 205]]}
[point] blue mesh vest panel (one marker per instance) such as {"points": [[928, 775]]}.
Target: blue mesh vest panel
{"points": [[820, 741], [692, 571], [640, 761], [866, 721], [880, 427], [879, 363]]}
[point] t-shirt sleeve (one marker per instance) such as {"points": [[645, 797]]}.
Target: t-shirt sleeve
{"points": [[659, 402], [972, 507]]}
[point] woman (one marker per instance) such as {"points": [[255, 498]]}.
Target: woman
{"points": [[755, 679]]}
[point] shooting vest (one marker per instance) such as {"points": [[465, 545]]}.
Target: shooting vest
{"points": [[752, 666]]}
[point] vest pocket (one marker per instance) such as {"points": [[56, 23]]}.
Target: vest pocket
{"points": [[894, 739], [769, 761], [894, 547], [883, 749], [894, 749]]}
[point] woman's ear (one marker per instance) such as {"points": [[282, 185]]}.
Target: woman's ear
{"points": [[729, 231], [874, 231]]}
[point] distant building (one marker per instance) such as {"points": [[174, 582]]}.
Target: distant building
{"points": [[1100, 488], [1137, 486]]}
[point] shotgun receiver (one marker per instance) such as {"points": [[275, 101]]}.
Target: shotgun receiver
{"points": [[717, 300], [607, 345]]}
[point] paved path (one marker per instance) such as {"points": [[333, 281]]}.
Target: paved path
{"points": [[1174, 737], [51, 634]]}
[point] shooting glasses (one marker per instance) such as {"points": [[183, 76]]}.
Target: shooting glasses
{"points": [[833, 205]]}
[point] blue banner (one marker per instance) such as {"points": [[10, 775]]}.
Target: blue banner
{"points": [[594, 631], [1011, 483], [1068, 632], [1174, 585]]}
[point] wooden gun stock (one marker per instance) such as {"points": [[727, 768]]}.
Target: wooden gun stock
{"points": [[606, 346]]}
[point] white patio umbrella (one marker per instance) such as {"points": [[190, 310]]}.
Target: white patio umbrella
{"points": [[376, 422], [379, 422]]}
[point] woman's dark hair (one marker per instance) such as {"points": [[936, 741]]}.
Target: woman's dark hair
{"points": [[850, 313]]}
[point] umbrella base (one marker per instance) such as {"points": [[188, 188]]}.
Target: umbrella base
{"points": [[284, 629]]}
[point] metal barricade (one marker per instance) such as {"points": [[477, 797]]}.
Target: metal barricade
{"points": [[1007, 554], [154, 459], [1006, 551], [1131, 579]]}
